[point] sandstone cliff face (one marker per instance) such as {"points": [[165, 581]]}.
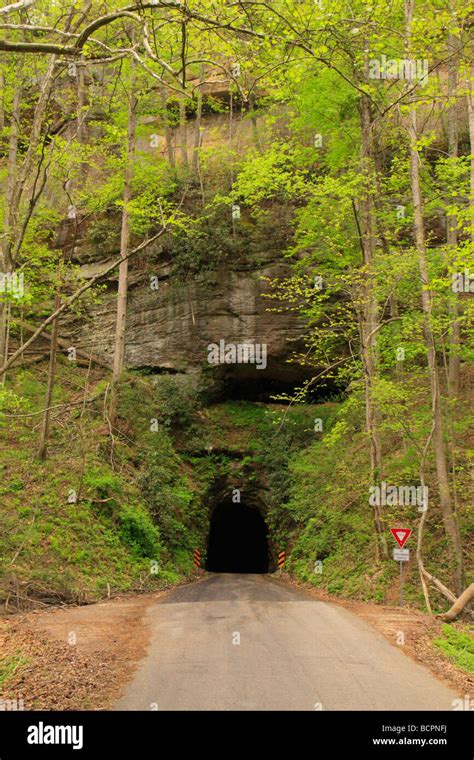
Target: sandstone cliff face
{"points": [[169, 329]]}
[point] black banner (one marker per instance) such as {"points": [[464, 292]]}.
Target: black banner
{"points": [[138, 734]]}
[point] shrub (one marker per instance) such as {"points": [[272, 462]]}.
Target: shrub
{"points": [[139, 533], [176, 399]]}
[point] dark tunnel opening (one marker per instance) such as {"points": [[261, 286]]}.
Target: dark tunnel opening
{"points": [[238, 540], [240, 384]]}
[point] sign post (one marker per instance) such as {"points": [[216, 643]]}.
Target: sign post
{"points": [[197, 560], [401, 581], [281, 561], [401, 555]]}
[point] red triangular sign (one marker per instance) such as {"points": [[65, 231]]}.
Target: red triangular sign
{"points": [[401, 535]]}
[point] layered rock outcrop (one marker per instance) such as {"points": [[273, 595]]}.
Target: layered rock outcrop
{"points": [[171, 323]]}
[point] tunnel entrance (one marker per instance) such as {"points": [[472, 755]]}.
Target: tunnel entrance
{"points": [[238, 540]]}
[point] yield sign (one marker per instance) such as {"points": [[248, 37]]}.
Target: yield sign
{"points": [[401, 535]]}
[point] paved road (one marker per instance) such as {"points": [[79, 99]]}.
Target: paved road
{"points": [[295, 653]]}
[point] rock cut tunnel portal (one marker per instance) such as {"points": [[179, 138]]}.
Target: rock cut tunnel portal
{"points": [[238, 540]]}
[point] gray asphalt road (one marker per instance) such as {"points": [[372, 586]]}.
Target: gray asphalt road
{"points": [[295, 653]]}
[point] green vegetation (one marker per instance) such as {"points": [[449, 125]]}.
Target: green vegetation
{"points": [[333, 546], [9, 665], [89, 522], [142, 500], [458, 646], [353, 180]]}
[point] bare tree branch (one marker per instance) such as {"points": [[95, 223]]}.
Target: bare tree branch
{"points": [[74, 297], [20, 6]]}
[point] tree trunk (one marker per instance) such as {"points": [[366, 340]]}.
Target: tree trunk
{"points": [[183, 131], [119, 343], [198, 133], [449, 516], [26, 168], [168, 130], [454, 366], [253, 119], [81, 102], [44, 435], [470, 110], [2, 92], [370, 311], [6, 245]]}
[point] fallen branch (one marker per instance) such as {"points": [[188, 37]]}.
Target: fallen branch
{"points": [[459, 605], [66, 344], [419, 542]]}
